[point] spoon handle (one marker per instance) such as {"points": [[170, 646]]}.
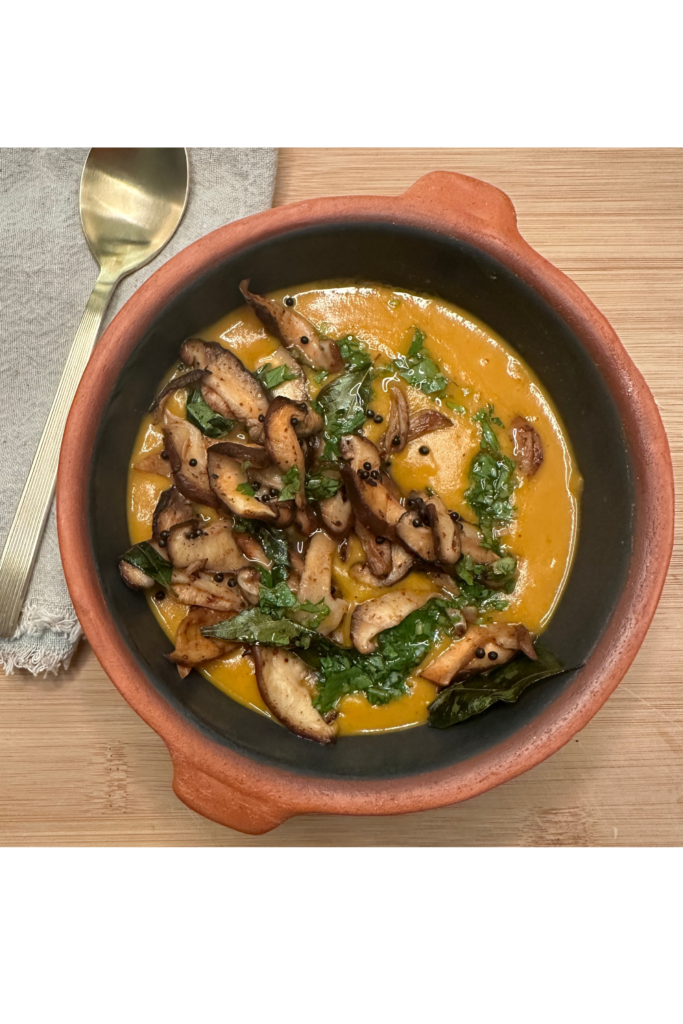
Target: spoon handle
{"points": [[23, 539]]}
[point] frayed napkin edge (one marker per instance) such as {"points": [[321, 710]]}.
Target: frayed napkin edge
{"points": [[35, 621]]}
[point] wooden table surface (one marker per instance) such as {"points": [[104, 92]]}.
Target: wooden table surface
{"points": [[77, 766]]}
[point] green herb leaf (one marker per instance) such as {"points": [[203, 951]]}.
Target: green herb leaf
{"points": [[272, 376], [318, 612], [144, 556], [291, 481], [343, 402], [273, 601], [480, 584], [275, 547], [319, 486], [417, 343], [253, 626], [354, 353], [201, 415], [454, 406], [246, 488], [321, 376], [493, 481], [419, 369], [461, 701]]}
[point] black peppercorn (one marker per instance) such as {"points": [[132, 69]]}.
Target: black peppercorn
{"points": [[363, 474], [480, 653], [493, 655], [232, 582], [261, 418], [162, 542], [454, 516], [164, 534], [218, 577], [413, 503], [289, 301], [367, 465], [193, 462], [294, 421], [160, 595], [424, 450], [380, 540], [417, 522], [164, 454], [265, 497], [304, 340], [379, 419], [396, 440], [273, 492], [374, 474], [303, 406]]}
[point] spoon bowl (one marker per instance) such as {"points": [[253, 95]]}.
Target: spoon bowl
{"points": [[132, 201]]}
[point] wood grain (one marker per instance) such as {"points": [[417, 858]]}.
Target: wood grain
{"points": [[78, 767]]}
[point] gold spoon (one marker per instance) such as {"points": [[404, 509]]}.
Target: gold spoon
{"points": [[131, 202]]}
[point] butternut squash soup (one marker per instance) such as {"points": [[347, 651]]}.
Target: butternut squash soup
{"points": [[353, 509]]}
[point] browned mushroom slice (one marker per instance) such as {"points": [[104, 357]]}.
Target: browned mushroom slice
{"points": [[295, 389], [238, 388], [372, 503], [316, 582], [398, 424], [283, 444], [308, 421], [191, 648], [402, 562], [336, 514], [249, 582], [226, 476], [202, 589], [255, 454], [133, 577], [470, 544], [253, 549], [377, 551], [154, 462], [219, 405], [306, 520], [373, 617], [294, 331], [528, 447], [417, 536], [285, 683], [187, 454], [210, 543], [183, 381], [171, 508], [472, 654], [445, 530], [427, 421]]}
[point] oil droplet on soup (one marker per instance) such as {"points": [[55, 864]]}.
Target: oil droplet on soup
{"points": [[485, 369]]}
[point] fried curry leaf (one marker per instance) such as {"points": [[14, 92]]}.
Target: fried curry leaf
{"points": [[354, 353], [291, 481], [253, 626], [209, 422], [461, 701], [272, 376], [144, 556], [343, 402], [419, 369], [319, 486]]}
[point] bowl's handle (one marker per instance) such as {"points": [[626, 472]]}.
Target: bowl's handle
{"points": [[223, 801], [455, 199]]}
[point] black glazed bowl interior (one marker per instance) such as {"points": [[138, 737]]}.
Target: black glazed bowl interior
{"points": [[403, 257]]}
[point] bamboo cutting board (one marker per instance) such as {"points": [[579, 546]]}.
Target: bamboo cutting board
{"points": [[77, 766]]}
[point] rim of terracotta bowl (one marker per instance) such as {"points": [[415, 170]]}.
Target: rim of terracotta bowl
{"points": [[251, 797]]}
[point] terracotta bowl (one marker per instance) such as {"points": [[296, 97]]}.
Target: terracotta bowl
{"points": [[455, 237]]}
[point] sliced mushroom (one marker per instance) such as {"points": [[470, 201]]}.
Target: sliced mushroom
{"points": [[282, 442], [294, 331], [309, 422], [373, 617], [377, 551], [285, 683], [528, 447], [225, 476], [191, 648], [316, 582], [253, 549], [238, 388], [470, 544], [202, 589], [416, 535], [372, 503], [471, 655], [171, 508], [402, 562], [218, 404], [183, 381], [133, 577], [187, 454], [427, 421], [249, 582], [336, 514], [445, 530], [398, 424], [255, 454], [210, 543], [306, 521], [154, 462]]}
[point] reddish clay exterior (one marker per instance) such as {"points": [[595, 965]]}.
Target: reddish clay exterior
{"points": [[247, 796]]}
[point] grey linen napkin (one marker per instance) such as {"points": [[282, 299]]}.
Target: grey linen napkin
{"points": [[46, 276]]}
